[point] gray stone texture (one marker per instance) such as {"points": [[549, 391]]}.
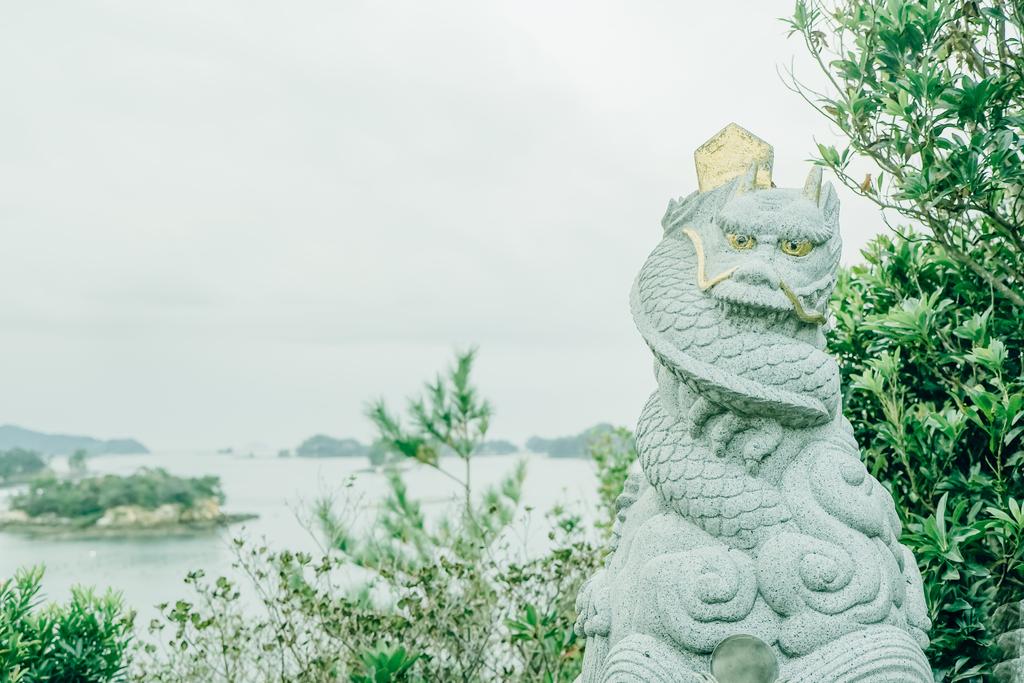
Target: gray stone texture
{"points": [[1010, 645], [749, 510]]}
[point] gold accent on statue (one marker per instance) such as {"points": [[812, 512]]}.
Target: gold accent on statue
{"points": [[813, 317], [796, 247], [705, 283], [728, 154], [741, 242], [702, 281]]}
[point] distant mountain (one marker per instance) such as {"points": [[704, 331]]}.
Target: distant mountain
{"points": [[323, 446], [64, 444], [567, 446]]}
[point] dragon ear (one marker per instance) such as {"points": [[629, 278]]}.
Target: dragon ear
{"points": [[812, 186], [746, 182], [829, 205], [828, 202]]}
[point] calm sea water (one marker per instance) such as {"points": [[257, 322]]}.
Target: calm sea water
{"points": [[149, 571]]}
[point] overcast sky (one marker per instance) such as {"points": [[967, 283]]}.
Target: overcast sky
{"points": [[230, 222]]}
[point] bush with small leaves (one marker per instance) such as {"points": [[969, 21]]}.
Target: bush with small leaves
{"points": [[402, 599], [298, 617]]}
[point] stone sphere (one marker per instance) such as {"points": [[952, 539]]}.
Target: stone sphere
{"points": [[744, 659]]}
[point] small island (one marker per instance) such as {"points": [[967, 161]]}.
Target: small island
{"points": [[568, 446], [151, 501], [496, 447], [323, 446]]}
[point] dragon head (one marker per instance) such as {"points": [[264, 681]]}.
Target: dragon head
{"points": [[733, 299], [774, 248]]}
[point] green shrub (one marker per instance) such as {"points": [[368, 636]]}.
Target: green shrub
{"points": [[383, 665], [83, 641], [931, 362], [297, 617], [612, 451], [89, 498]]}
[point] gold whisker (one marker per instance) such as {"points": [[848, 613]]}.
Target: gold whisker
{"points": [[705, 283], [813, 317], [702, 281]]}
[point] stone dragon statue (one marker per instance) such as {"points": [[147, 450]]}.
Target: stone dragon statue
{"points": [[749, 510]]}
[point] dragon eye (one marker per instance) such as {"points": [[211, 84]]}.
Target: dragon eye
{"points": [[741, 241], [797, 247]]}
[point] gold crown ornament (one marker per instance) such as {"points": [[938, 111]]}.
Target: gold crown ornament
{"points": [[729, 154]]}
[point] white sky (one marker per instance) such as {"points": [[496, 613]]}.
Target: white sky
{"points": [[228, 222]]}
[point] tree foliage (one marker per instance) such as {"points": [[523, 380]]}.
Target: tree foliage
{"points": [[77, 462], [18, 464], [931, 92], [448, 417]]}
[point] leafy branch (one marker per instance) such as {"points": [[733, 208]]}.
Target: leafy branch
{"points": [[931, 93]]}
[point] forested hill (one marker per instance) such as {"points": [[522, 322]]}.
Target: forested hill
{"points": [[12, 436]]}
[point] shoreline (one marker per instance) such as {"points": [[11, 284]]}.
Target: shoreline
{"points": [[71, 530]]}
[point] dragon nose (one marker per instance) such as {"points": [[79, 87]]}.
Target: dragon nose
{"points": [[757, 274]]}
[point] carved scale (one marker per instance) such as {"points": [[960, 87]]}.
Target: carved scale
{"points": [[749, 510]]}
